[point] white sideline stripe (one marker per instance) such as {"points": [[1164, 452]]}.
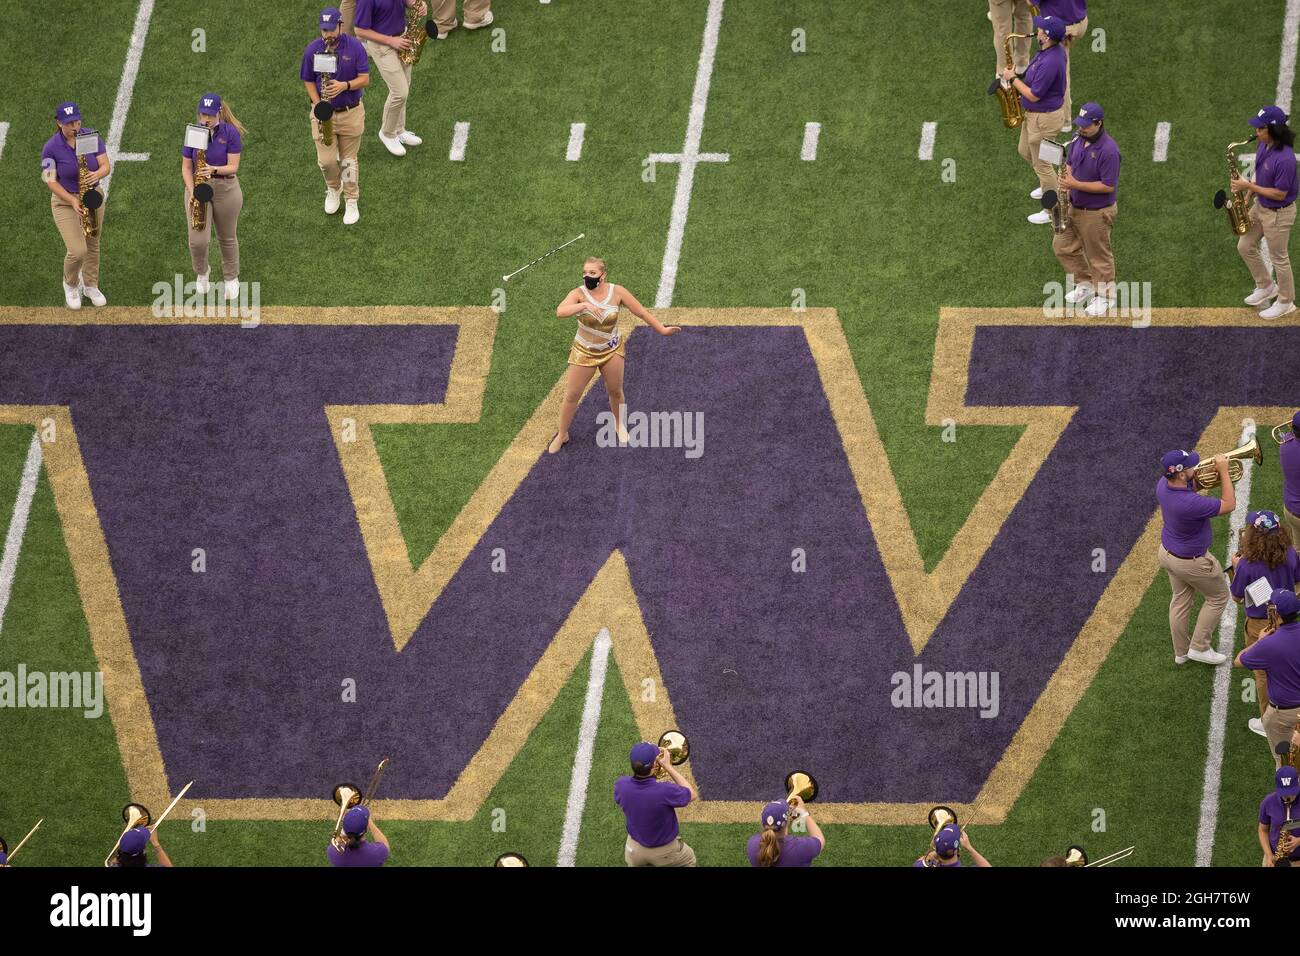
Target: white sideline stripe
{"points": [[586, 746], [692, 158], [458, 140], [577, 131], [4, 134], [1222, 678], [125, 90], [926, 150], [1161, 151], [689, 160], [18, 524], [1286, 66], [811, 133]]}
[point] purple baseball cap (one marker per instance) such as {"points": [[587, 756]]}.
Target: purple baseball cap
{"points": [[1263, 520], [209, 104], [1267, 116], [775, 814], [947, 839], [134, 841], [356, 820], [1288, 781], [1179, 460], [330, 18], [1089, 113], [68, 112], [1054, 27], [644, 754], [1285, 601]]}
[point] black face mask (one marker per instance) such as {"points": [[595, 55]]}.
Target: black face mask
{"points": [[590, 281]]}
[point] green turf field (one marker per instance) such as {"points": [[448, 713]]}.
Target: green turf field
{"points": [[866, 229]]}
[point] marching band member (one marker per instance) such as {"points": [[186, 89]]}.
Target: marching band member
{"points": [[338, 161], [380, 24], [1011, 16], [349, 14], [1042, 93], [478, 13], [1074, 13], [1277, 808], [359, 851], [1275, 188], [1092, 176], [225, 147], [649, 806], [596, 345], [947, 846], [131, 849], [1184, 553], [1288, 456], [773, 846], [1265, 552], [1278, 655], [61, 172]]}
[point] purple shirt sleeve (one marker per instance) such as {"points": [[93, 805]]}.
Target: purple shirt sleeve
{"points": [[677, 796], [1263, 812], [365, 15], [1257, 656], [306, 73], [1238, 586], [1108, 171]]}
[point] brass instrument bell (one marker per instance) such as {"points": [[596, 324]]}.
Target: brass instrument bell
{"points": [[1206, 475], [800, 784], [1076, 856], [511, 859], [940, 817], [136, 815], [1283, 433], [347, 795], [678, 747]]}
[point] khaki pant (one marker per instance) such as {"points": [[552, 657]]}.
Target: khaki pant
{"points": [[1279, 725], [1203, 574], [443, 12], [397, 77], [1072, 33], [676, 853], [1275, 226], [341, 155], [1254, 628], [349, 10], [1083, 250], [81, 264], [1036, 128], [1293, 521], [223, 211], [1011, 16]]}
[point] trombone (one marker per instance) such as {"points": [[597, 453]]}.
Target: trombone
{"points": [[1206, 474], [1115, 857], [347, 796], [138, 815], [679, 750], [4, 847]]}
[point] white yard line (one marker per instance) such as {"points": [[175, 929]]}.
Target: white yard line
{"points": [[458, 140], [577, 132], [4, 134], [811, 133], [926, 149], [689, 157], [18, 524], [1161, 150], [1222, 679], [586, 747], [1286, 65], [126, 90]]}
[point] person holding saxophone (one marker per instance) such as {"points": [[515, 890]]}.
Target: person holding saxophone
{"points": [[1273, 214], [220, 163], [1042, 95], [1277, 654], [1089, 178], [381, 24], [71, 179], [337, 110]]}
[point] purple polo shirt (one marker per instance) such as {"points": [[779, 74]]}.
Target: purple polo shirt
{"points": [[1187, 515], [383, 16], [1094, 162], [224, 141], [1275, 168], [1071, 11], [1284, 576], [649, 806], [921, 862], [795, 850], [1272, 813], [352, 60], [1278, 655], [1288, 456], [1046, 77], [63, 157], [367, 854]]}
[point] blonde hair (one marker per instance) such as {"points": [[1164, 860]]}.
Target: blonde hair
{"points": [[769, 846], [225, 115], [590, 259]]}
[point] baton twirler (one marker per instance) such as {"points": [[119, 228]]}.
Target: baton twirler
{"points": [[581, 235]]}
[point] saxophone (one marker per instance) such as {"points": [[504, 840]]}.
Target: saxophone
{"points": [[324, 109], [199, 206], [90, 199], [1236, 203], [417, 33], [1013, 111], [1060, 209]]}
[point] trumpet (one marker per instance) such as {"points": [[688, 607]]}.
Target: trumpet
{"points": [[347, 796], [138, 815], [679, 751], [1283, 433], [1206, 474]]}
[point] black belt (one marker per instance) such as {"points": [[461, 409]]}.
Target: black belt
{"points": [[1280, 707], [222, 176], [1182, 557], [344, 109], [1278, 208]]}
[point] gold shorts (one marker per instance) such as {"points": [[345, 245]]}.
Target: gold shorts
{"points": [[594, 358]]}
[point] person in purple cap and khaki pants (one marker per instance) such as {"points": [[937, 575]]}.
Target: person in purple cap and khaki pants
{"points": [[131, 849], [1042, 94], [650, 806], [1008, 17], [358, 851], [338, 160], [1275, 811], [1091, 175], [61, 172], [225, 148], [380, 25], [1277, 654], [947, 846], [1074, 14], [773, 845], [1272, 215], [1185, 553]]}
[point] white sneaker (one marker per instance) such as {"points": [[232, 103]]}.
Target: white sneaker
{"points": [[1098, 307], [1037, 193], [351, 214], [1260, 296], [1277, 310], [408, 139], [1041, 218], [442, 34], [481, 23], [1257, 726], [1180, 658], [393, 145], [72, 295], [1207, 657], [1080, 293], [331, 201], [201, 284], [94, 295], [232, 288], [1067, 128]]}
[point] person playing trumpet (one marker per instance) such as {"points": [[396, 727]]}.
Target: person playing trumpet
{"points": [[131, 848], [1273, 214], [62, 174], [773, 845], [650, 807], [1277, 654], [358, 851], [945, 849], [343, 89]]}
